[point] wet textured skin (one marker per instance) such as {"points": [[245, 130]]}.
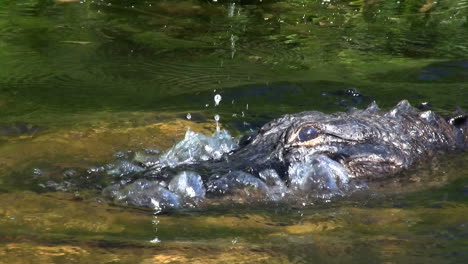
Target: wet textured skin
{"points": [[368, 143], [301, 156]]}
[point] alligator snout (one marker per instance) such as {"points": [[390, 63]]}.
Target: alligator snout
{"points": [[235, 176]]}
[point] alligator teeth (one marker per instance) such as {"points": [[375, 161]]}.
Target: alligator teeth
{"points": [[373, 107], [428, 116], [459, 120]]}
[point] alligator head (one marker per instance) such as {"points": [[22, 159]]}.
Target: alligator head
{"points": [[318, 154]]}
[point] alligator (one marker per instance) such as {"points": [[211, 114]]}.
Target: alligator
{"points": [[308, 154]]}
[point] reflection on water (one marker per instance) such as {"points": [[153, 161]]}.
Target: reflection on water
{"points": [[90, 55], [83, 80]]}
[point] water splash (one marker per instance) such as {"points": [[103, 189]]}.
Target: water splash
{"points": [[198, 147], [231, 9], [186, 188], [316, 177], [216, 118], [233, 45], [319, 175], [155, 220], [188, 185]]}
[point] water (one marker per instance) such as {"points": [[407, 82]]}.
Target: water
{"points": [[83, 80]]}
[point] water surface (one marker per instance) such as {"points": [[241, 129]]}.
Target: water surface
{"points": [[83, 80]]}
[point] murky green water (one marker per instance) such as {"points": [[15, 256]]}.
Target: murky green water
{"points": [[81, 80]]}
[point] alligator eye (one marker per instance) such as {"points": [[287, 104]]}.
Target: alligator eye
{"points": [[307, 133]]}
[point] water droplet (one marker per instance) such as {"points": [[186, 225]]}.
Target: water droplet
{"points": [[155, 240], [216, 118], [231, 9], [189, 116], [233, 45], [37, 172], [217, 99]]}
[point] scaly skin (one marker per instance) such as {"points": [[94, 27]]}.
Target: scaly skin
{"points": [[369, 143]]}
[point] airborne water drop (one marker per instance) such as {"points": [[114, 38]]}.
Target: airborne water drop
{"points": [[216, 118], [217, 99]]}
